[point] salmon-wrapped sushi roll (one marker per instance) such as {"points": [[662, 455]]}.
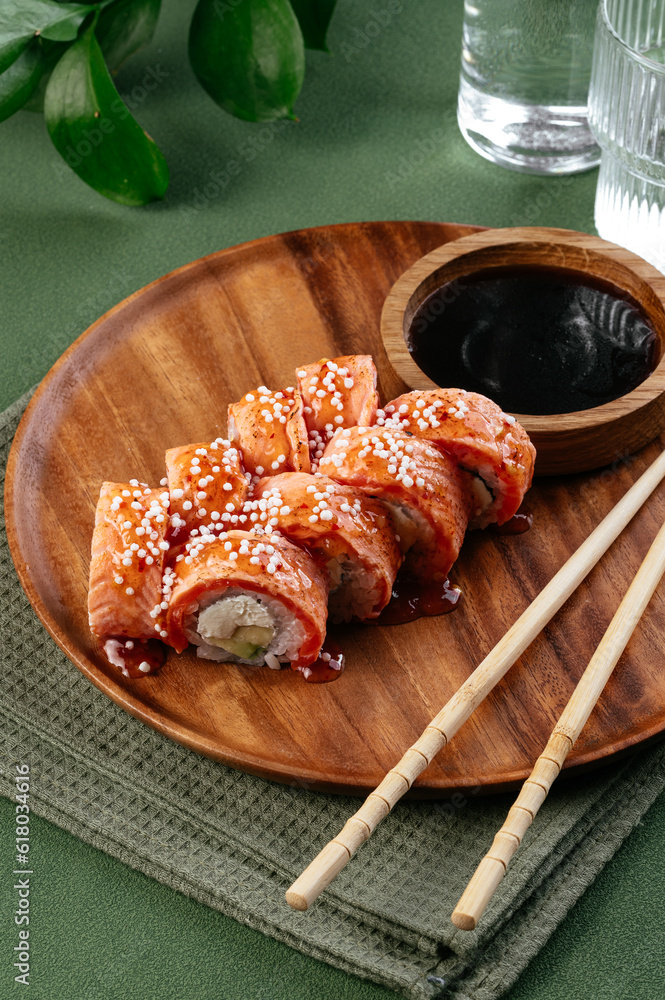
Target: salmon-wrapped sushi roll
{"points": [[248, 597], [483, 439], [337, 393], [126, 598], [207, 486], [269, 429], [350, 534], [427, 494]]}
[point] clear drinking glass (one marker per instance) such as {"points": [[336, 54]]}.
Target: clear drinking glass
{"points": [[627, 115], [524, 83]]}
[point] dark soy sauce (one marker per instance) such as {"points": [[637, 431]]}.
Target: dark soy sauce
{"points": [[534, 339]]}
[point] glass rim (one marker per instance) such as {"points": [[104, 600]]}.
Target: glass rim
{"points": [[649, 64]]}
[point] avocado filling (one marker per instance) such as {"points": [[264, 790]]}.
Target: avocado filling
{"points": [[241, 625]]}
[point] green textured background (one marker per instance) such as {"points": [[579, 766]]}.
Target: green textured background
{"points": [[377, 139]]}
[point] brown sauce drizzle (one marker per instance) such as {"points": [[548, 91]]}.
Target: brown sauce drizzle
{"points": [[328, 666], [134, 652], [414, 599], [518, 524]]}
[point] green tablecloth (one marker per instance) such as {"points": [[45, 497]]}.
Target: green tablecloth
{"points": [[377, 139]]}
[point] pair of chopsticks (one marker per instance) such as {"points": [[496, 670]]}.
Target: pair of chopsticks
{"points": [[330, 861]]}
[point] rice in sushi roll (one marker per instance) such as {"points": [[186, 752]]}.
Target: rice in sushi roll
{"points": [[248, 597]]}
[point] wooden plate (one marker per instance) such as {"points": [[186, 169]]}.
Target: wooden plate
{"points": [[158, 371]]}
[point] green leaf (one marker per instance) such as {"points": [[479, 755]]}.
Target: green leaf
{"points": [[314, 18], [18, 82], [20, 20], [94, 132], [65, 28], [124, 26], [249, 56], [12, 48], [51, 54]]}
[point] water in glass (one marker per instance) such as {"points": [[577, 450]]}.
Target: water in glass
{"points": [[524, 83]]}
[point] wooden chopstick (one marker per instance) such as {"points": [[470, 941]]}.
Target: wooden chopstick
{"points": [[534, 791], [332, 858]]}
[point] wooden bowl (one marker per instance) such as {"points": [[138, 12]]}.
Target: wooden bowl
{"points": [[566, 442]]}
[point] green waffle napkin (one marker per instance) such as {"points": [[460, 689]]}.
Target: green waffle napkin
{"points": [[236, 842]]}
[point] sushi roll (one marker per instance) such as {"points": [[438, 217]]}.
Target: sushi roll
{"points": [[207, 486], [426, 493], [483, 439], [269, 429], [350, 534], [337, 393], [126, 599], [248, 597]]}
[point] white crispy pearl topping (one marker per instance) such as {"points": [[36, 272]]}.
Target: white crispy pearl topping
{"points": [[328, 386], [418, 414], [257, 542], [322, 504], [197, 489], [388, 447], [139, 533], [278, 405], [139, 521]]}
